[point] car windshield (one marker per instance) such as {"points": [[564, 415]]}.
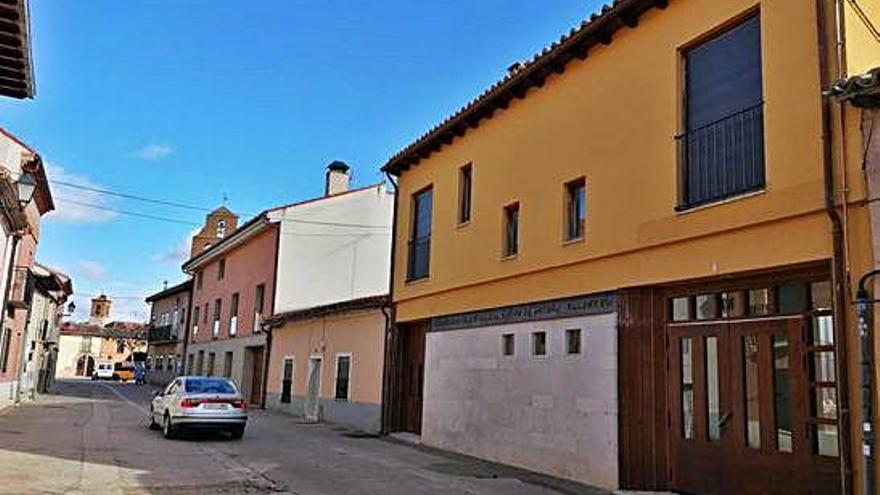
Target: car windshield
{"points": [[208, 386]]}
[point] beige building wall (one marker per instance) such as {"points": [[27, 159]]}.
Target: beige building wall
{"points": [[359, 334]]}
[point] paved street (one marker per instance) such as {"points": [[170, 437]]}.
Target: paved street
{"points": [[91, 438]]}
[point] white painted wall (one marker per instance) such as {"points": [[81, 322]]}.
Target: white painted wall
{"points": [[555, 414], [69, 349], [322, 264]]}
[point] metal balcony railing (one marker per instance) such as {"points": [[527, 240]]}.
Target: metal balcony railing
{"points": [[165, 333], [722, 158]]}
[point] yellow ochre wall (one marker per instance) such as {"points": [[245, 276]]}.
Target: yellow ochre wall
{"points": [[862, 47], [612, 118], [362, 334]]}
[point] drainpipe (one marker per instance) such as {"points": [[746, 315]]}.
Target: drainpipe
{"points": [[839, 273], [389, 384], [16, 237], [864, 312]]}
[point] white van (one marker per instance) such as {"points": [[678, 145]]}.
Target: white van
{"points": [[104, 371]]}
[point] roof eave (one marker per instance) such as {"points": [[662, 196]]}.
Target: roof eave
{"points": [[598, 30]]}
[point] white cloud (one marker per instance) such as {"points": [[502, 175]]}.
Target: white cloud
{"points": [[123, 308], [75, 204], [154, 151], [177, 254], [92, 270]]}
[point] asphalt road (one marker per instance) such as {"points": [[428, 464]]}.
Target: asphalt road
{"points": [[91, 439]]}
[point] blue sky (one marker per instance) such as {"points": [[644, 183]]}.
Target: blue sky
{"points": [[188, 100]]}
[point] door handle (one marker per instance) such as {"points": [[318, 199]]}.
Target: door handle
{"points": [[724, 419]]}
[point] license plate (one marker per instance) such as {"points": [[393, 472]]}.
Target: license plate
{"points": [[215, 406]]}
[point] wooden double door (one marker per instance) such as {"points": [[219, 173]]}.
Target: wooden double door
{"points": [[739, 409]]}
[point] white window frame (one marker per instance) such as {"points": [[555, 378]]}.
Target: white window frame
{"points": [[233, 325], [336, 375]]}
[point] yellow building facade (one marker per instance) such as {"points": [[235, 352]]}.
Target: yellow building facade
{"points": [[605, 110]]}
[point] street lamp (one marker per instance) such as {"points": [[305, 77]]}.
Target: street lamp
{"points": [[71, 308], [25, 186]]}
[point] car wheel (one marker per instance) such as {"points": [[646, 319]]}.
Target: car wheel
{"points": [[168, 429], [237, 432], [151, 421]]}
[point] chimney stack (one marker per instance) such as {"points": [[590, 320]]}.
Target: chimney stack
{"points": [[336, 180]]}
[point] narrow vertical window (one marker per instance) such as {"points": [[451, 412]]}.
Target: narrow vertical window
{"points": [[508, 344], [782, 394], [752, 397], [227, 365], [217, 308], [5, 337], [199, 280], [465, 186], [419, 259], [259, 293], [221, 270], [196, 320], [343, 377], [233, 315], [287, 380], [573, 341], [539, 343], [713, 394], [687, 388], [575, 209], [511, 230]]}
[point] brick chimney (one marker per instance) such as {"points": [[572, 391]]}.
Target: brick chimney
{"points": [[336, 180]]}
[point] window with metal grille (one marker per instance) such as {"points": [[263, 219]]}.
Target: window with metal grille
{"points": [[721, 151], [419, 259]]}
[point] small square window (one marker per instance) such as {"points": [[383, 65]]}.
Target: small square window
{"points": [[681, 309], [760, 301], [820, 295], [539, 343], [707, 306], [573, 341], [733, 304], [508, 344], [792, 298]]}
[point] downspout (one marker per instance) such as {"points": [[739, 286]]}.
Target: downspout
{"points": [[389, 384], [16, 237], [267, 328], [186, 325], [839, 277]]}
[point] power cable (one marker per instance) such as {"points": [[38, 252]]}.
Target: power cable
{"points": [[130, 196], [863, 16], [125, 212]]}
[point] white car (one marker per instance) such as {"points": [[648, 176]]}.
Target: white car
{"points": [[199, 402], [104, 371]]}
